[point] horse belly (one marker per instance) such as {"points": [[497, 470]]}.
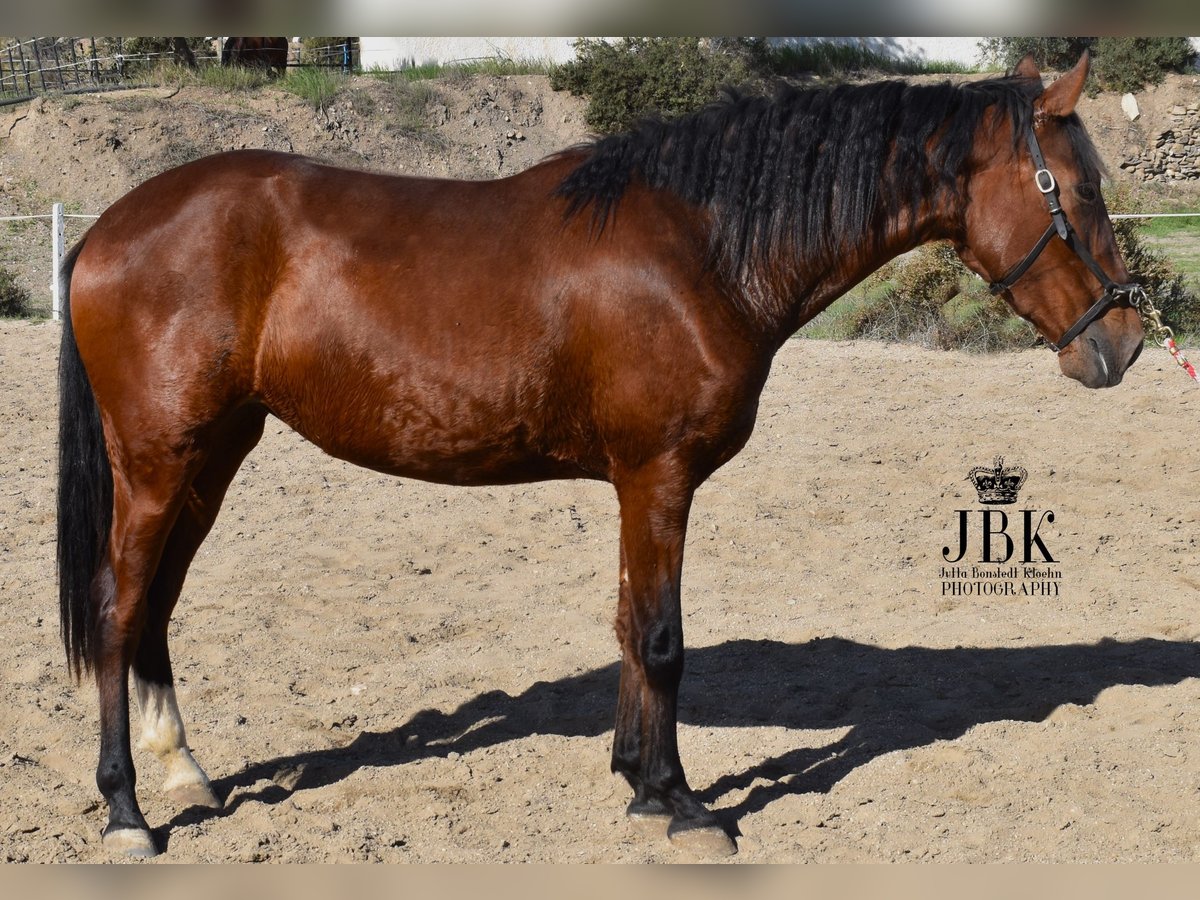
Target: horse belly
{"points": [[441, 421]]}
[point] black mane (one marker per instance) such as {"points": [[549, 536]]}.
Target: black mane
{"points": [[807, 172]]}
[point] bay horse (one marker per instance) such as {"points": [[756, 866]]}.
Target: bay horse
{"points": [[610, 313], [270, 53]]}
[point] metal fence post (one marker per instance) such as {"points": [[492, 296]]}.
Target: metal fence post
{"points": [[56, 243]]}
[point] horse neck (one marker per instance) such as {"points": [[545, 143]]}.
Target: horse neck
{"points": [[812, 285]]}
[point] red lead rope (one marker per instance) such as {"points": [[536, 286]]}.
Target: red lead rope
{"points": [[1161, 332], [1169, 343]]}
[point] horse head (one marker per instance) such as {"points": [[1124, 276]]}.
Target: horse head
{"points": [[1036, 227]]}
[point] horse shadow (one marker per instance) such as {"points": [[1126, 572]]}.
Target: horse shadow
{"points": [[891, 699]]}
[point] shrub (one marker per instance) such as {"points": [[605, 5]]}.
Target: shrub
{"points": [[1130, 63], [633, 77], [1118, 63], [670, 76], [15, 300], [1057, 53]]}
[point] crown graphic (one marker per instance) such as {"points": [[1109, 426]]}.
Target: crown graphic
{"points": [[996, 484]]}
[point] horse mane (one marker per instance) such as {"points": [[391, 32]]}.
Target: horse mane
{"points": [[806, 174]]}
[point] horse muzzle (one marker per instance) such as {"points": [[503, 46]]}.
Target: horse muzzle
{"points": [[1104, 350]]}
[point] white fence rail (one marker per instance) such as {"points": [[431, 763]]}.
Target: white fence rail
{"points": [[57, 250], [58, 246]]}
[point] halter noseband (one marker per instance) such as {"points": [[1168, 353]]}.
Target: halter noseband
{"points": [[1059, 224]]}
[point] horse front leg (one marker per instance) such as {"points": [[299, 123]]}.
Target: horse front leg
{"points": [[646, 812], [654, 510]]}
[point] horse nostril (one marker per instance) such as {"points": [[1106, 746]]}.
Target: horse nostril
{"points": [[1100, 357]]}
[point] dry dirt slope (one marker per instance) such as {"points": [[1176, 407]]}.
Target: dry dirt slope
{"points": [[88, 150]]}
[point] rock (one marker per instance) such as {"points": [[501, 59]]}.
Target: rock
{"points": [[1177, 110], [1130, 106]]}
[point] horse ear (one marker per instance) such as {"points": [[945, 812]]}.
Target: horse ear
{"points": [[1027, 68], [1059, 98]]}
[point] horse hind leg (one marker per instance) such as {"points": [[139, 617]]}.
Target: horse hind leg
{"points": [[162, 725], [146, 500]]}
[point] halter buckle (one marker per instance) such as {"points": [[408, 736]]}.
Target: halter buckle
{"points": [[1044, 179]]}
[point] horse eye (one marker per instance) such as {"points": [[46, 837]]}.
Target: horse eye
{"points": [[1086, 191]]}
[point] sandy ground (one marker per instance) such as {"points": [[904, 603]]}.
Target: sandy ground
{"points": [[379, 669]]}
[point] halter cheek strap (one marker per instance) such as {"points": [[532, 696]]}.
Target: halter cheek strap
{"points": [[1114, 293]]}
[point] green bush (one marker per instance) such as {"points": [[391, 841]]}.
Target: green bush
{"points": [[1057, 53], [1130, 63], [1118, 63], [670, 76], [15, 301], [637, 76]]}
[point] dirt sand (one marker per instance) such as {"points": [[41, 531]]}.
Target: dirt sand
{"points": [[379, 669]]}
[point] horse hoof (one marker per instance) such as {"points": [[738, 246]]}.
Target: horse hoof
{"points": [[131, 842], [194, 794], [650, 818], [648, 823], [703, 840]]}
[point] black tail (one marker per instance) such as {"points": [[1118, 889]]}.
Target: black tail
{"points": [[85, 491]]}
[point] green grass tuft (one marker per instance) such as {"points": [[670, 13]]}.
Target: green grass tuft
{"points": [[317, 86], [465, 69]]}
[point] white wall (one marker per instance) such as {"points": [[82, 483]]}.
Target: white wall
{"points": [[394, 52]]}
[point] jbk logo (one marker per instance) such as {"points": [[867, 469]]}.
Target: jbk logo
{"points": [[996, 544], [998, 485]]}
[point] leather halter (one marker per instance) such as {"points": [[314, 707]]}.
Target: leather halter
{"points": [[1114, 293]]}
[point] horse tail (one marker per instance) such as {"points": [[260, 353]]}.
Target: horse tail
{"points": [[85, 491]]}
